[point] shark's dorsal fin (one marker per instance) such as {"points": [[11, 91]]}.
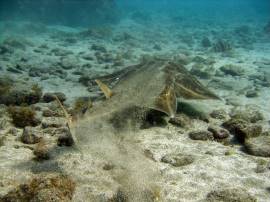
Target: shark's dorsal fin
{"points": [[166, 101], [104, 88]]}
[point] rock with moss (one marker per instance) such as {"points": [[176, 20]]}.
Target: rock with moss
{"points": [[218, 114], [232, 70], [252, 94], [178, 160], [267, 28], [17, 93], [31, 135], [230, 195], [242, 129], [51, 188], [218, 133], [180, 120], [249, 114], [222, 46], [206, 43], [23, 116], [259, 146], [42, 151], [201, 135], [50, 97]]}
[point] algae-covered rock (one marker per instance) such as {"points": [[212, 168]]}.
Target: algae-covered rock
{"points": [[259, 146], [218, 114], [242, 129], [49, 97], [31, 135], [23, 116], [222, 46], [249, 114], [180, 120], [16, 93], [50, 188], [230, 195], [218, 133], [232, 70], [201, 135], [178, 160], [42, 151]]}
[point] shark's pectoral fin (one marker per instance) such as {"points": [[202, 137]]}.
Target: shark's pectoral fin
{"points": [[166, 101], [105, 89]]}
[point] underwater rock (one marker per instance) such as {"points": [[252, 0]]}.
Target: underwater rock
{"points": [[242, 129], [99, 32], [14, 43], [201, 135], [206, 43], [99, 48], [50, 97], [4, 49], [218, 114], [201, 71], [42, 151], [50, 187], [178, 160], [232, 70], [222, 46], [180, 120], [14, 70], [85, 80], [15, 93], [61, 52], [69, 62], [218, 133], [267, 28], [23, 116], [249, 114], [54, 122], [230, 195], [31, 135], [259, 146], [65, 137], [242, 31], [252, 94]]}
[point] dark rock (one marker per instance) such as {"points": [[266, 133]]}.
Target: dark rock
{"points": [[232, 70], [52, 187], [206, 43], [218, 114], [267, 28], [98, 48], [50, 97], [65, 138], [157, 47], [252, 94], [222, 46], [180, 121], [19, 93], [242, 129], [259, 146], [85, 80], [31, 135], [177, 160], [14, 70], [201, 135], [230, 195], [218, 133]]}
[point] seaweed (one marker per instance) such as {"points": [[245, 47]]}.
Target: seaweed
{"points": [[23, 116]]}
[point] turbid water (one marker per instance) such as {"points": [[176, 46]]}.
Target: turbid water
{"points": [[118, 100]]}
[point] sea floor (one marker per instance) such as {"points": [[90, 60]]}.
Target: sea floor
{"points": [[154, 164]]}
